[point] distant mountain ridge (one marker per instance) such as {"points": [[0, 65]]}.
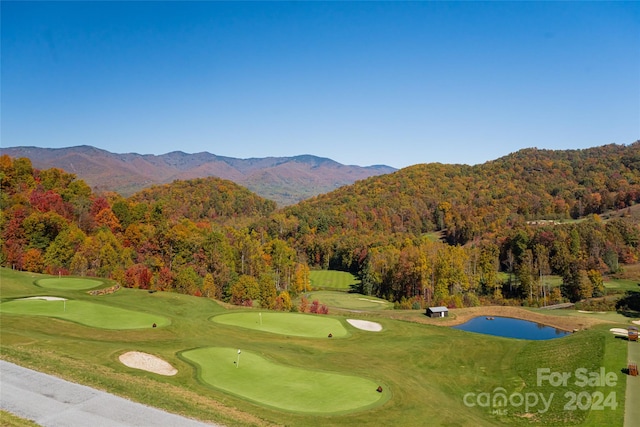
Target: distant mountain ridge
{"points": [[285, 180]]}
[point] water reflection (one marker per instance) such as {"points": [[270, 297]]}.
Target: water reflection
{"points": [[511, 328]]}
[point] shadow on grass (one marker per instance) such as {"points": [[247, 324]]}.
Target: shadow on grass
{"points": [[629, 305]]}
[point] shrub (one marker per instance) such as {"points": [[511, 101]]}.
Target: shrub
{"points": [[304, 304], [314, 306]]}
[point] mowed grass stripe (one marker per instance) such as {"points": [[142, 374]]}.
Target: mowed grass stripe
{"points": [[332, 279], [85, 313], [284, 387], [293, 324]]}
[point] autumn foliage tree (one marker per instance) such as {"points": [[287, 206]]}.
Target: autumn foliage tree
{"points": [[427, 234]]}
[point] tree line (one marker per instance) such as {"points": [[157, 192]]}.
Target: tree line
{"points": [[429, 234]]}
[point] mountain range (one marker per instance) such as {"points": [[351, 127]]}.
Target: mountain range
{"points": [[285, 180]]}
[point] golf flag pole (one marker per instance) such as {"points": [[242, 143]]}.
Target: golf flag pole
{"points": [[260, 314], [238, 361]]}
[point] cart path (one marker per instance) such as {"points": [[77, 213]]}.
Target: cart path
{"points": [[631, 406], [54, 402]]}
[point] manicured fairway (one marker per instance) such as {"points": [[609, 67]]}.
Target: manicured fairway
{"points": [[284, 387], [332, 279], [622, 285], [68, 283], [349, 301], [426, 370], [294, 324], [86, 313]]}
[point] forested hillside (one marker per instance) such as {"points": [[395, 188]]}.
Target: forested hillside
{"points": [[427, 234], [285, 180], [466, 202]]}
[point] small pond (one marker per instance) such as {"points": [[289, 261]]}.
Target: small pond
{"points": [[511, 328]]}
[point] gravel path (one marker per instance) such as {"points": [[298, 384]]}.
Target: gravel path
{"points": [[53, 402]]}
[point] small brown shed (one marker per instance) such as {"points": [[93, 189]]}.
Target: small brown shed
{"points": [[437, 311]]}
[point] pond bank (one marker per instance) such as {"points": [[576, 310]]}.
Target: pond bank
{"points": [[458, 316]]}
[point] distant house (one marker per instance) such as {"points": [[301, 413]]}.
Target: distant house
{"points": [[437, 311]]}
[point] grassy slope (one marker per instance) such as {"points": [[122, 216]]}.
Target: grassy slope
{"points": [[343, 300], [427, 369], [622, 285]]}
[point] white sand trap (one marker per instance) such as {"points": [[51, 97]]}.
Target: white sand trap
{"points": [[365, 325], [147, 362], [47, 298], [636, 322], [619, 331], [372, 300], [592, 312]]}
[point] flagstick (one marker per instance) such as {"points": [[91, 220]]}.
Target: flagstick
{"points": [[238, 361]]}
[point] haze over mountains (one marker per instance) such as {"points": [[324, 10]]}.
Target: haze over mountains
{"points": [[285, 180]]}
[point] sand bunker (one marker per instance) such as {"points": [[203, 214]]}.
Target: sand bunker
{"points": [[619, 331], [372, 300], [636, 322], [147, 362], [365, 325], [47, 298]]}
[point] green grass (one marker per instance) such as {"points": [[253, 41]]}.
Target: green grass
{"points": [[425, 370], [68, 283], [85, 313], [332, 279], [7, 419], [609, 316], [256, 378], [299, 325], [622, 285], [349, 301], [590, 351]]}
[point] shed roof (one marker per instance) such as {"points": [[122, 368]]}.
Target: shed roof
{"points": [[438, 309]]}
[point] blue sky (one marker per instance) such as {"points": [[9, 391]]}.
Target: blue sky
{"points": [[396, 83]]}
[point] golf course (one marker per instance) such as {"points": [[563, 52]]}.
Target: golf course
{"points": [[85, 313], [253, 367], [300, 325], [251, 376]]}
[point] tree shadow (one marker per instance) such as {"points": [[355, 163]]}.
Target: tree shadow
{"points": [[629, 305]]}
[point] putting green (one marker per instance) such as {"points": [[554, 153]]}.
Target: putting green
{"points": [[86, 313], [68, 283], [349, 301], [294, 324], [284, 387]]}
